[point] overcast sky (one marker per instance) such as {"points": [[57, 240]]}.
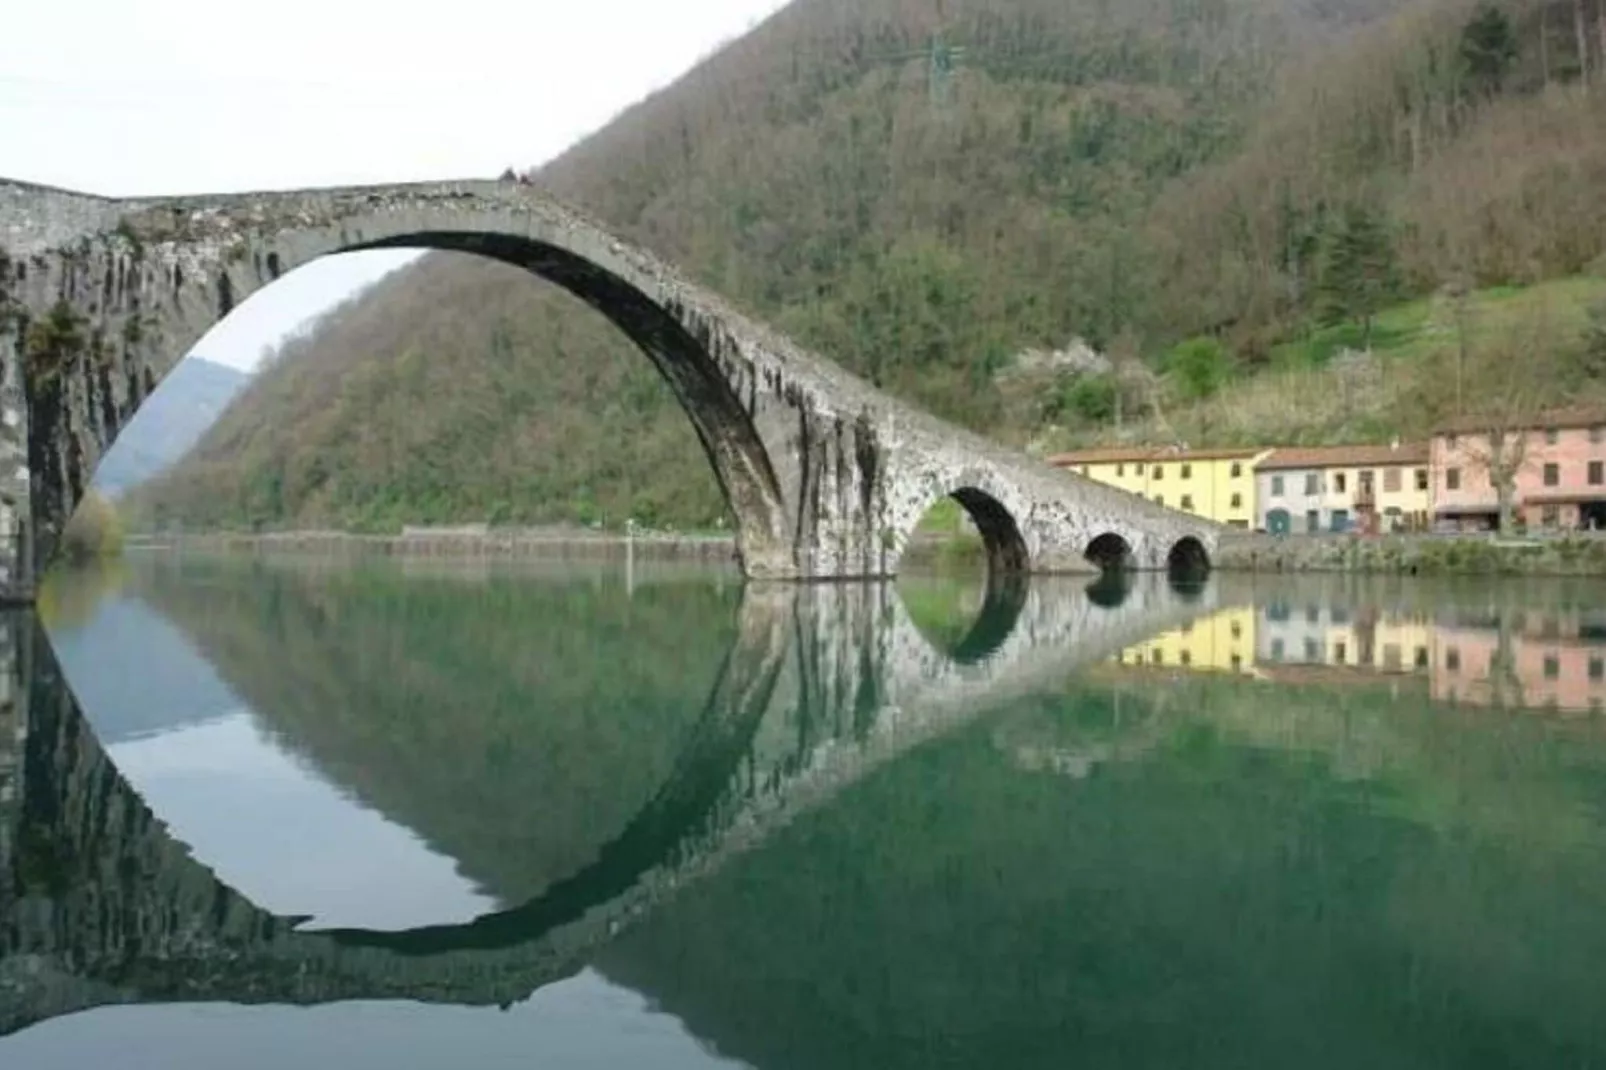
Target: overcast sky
{"points": [[139, 97]]}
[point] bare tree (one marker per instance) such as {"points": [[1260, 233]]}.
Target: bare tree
{"points": [[1514, 376]]}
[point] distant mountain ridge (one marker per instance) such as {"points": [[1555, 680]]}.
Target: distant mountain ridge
{"points": [[169, 424]]}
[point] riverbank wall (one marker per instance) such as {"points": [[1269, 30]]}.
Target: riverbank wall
{"points": [[457, 544], [1573, 554]]}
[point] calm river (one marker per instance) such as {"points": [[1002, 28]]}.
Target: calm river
{"points": [[296, 815]]}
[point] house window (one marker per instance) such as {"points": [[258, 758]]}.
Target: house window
{"points": [[1187, 658], [1391, 480], [1421, 657], [1313, 650], [1137, 469], [1552, 475], [1313, 484], [1551, 436], [1237, 469], [1452, 659], [1340, 653], [1313, 614], [1120, 470], [1339, 482], [1452, 479], [1187, 471], [1237, 630], [1596, 474], [1237, 501], [1597, 433], [1276, 486], [1159, 472], [1276, 650], [1597, 669], [1552, 667], [1421, 479], [1187, 502], [1237, 663], [1156, 656]]}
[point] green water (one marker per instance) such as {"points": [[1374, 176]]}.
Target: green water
{"points": [[272, 814]]}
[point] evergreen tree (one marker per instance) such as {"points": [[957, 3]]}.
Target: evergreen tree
{"points": [[1488, 47], [1360, 275]]}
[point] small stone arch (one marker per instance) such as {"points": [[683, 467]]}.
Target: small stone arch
{"points": [[1187, 559], [1111, 552], [1005, 547]]}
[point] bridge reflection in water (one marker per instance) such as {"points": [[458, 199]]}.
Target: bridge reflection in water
{"points": [[100, 905]]}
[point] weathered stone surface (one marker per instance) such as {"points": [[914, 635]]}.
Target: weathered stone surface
{"points": [[826, 476]]}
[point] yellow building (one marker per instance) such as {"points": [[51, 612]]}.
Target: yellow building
{"points": [[1224, 642], [1218, 485]]}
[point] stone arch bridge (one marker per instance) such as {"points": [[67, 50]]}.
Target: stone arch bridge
{"points": [[826, 476], [822, 686]]}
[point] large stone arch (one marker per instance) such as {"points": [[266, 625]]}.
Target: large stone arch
{"points": [[166, 272]]}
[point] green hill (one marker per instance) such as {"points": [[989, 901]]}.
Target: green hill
{"points": [[922, 190]]}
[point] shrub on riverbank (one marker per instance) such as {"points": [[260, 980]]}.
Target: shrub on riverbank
{"points": [[95, 532]]}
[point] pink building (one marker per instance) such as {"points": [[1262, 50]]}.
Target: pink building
{"points": [[1560, 481]]}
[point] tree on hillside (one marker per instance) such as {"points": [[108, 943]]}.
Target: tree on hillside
{"points": [[1593, 357], [1360, 274], [1513, 378], [1488, 48]]}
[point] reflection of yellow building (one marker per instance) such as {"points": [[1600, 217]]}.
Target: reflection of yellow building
{"points": [[1392, 644], [1216, 484], [1224, 642]]}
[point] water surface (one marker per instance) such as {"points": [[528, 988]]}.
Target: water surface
{"points": [[308, 814]]}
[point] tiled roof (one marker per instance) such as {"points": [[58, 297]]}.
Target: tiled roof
{"points": [[1412, 453], [1118, 454], [1570, 416]]}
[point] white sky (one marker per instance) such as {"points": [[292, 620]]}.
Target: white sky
{"points": [[146, 97]]}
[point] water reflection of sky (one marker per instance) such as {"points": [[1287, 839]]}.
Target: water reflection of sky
{"points": [[585, 1022], [288, 839]]}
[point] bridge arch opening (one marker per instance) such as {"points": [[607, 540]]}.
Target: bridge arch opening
{"points": [[691, 348], [1111, 553], [1187, 561], [963, 574]]}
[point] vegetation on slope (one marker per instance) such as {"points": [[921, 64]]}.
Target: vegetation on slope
{"points": [[1189, 185], [94, 533]]}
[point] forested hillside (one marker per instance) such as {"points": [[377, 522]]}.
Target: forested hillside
{"points": [[924, 189]]}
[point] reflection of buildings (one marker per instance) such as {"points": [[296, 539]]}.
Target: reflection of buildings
{"points": [[1553, 659], [1510, 658], [1224, 642]]}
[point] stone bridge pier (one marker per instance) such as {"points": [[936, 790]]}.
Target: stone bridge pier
{"points": [[826, 476]]}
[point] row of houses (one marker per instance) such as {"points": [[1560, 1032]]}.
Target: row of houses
{"points": [[1556, 463]]}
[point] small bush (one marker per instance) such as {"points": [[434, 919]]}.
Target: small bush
{"points": [[94, 533]]}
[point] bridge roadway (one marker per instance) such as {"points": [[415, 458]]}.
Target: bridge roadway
{"points": [[822, 686], [826, 476]]}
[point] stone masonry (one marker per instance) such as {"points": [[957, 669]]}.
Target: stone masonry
{"points": [[826, 476]]}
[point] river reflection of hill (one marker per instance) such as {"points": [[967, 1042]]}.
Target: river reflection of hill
{"points": [[515, 725]]}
